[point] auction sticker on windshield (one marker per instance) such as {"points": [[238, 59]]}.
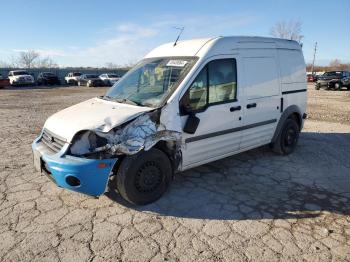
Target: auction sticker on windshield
{"points": [[178, 63]]}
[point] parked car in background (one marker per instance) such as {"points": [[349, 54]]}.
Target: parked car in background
{"points": [[47, 78], [333, 79], [109, 79], [90, 80], [20, 77], [4, 81], [311, 78], [72, 78]]}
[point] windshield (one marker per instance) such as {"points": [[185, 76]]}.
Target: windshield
{"points": [[91, 76], [112, 76], [18, 73], [151, 81], [76, 74], [48, 74], [333, 74]]}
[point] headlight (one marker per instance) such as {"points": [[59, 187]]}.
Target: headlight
{"points": [[85, 143]]}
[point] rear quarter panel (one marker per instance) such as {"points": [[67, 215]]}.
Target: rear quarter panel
{"points": [[292, 75]]}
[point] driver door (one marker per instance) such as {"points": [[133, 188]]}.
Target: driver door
{"points": [[214, 99]]}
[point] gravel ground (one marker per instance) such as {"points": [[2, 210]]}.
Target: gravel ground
{"points": [[252, 206], [330, 106]]}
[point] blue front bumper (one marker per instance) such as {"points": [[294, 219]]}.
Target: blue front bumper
{"points": [[92, 174]]}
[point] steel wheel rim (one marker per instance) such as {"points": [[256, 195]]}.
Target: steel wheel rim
{"points": [[148, 177], [290, 137]]}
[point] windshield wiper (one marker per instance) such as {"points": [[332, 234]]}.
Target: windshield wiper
{"points": [[122, 100]]}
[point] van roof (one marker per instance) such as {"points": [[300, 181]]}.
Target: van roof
{"points": [[220, 45]]}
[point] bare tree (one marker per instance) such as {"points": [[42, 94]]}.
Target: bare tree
{"points": [[13, 62], [46, 62], [27, 59], [4, 64], [287, 30], [111, 65], [335, 64]]}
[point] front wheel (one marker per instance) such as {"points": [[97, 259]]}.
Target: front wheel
{"points": [[317, 86], [287, 139], [337, 86], [143, 178]]}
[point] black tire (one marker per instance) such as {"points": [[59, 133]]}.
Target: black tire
{"points": [[337, 86], [287, 139], [143, 178], [317, 86]]}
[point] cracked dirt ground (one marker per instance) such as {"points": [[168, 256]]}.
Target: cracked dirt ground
{"points": [[252, 206]]}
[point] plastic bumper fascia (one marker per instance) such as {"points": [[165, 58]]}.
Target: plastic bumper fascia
{"points": [[93, 174]]}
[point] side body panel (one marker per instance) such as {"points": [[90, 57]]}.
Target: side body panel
{"points": [[261, 84], [293, 82]]}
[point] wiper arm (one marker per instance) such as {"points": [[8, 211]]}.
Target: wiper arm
{"points": [[126, 101], [122, 100], [106, 97]]}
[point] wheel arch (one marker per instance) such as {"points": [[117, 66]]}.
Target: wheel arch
{"points": [[169, 148], [291, 112]]}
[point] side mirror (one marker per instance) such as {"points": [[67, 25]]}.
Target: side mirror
{"points": [[191, 124]]}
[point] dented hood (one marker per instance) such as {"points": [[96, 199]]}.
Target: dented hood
{"points": [[93, 114]]}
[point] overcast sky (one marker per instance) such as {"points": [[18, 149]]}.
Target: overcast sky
{"points": [[93, 33]]}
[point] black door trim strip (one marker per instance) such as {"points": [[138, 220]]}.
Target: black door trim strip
{"points": [[227, 131], [293, 91]]}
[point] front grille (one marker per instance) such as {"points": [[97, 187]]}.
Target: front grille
{"points": [[52, 141]]}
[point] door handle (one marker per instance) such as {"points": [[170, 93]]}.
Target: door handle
{"points": [[251, 105], [235, 108]]}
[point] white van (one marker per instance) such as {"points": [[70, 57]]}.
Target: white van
{"points": [[183, 105]]}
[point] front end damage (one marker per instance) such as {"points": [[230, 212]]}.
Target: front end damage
{"points": [[86, 163]]}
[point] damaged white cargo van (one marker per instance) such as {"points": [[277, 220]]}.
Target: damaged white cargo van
{"points": [[182, 106]]}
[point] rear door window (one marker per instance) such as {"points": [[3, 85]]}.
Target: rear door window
{"points": [[261, 77]]}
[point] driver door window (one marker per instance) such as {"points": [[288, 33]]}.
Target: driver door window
{"points": [[215, 84]]}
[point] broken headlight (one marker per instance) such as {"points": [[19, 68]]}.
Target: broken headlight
{"points": [[85, 144]]}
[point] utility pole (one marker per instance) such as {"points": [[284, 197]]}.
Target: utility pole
{"points": [[313, 61]]}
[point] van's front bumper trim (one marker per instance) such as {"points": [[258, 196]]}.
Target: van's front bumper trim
{"points": [[61, 168]]}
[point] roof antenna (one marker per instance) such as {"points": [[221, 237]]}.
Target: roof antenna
{"points": [[181, 29]]}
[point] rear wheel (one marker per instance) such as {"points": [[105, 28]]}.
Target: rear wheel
{"points": [[317, 86], [287, 139], [143, 178]]}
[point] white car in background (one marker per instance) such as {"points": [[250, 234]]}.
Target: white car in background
{"points": [[72, 78], [20, 77], [109, 79]]}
